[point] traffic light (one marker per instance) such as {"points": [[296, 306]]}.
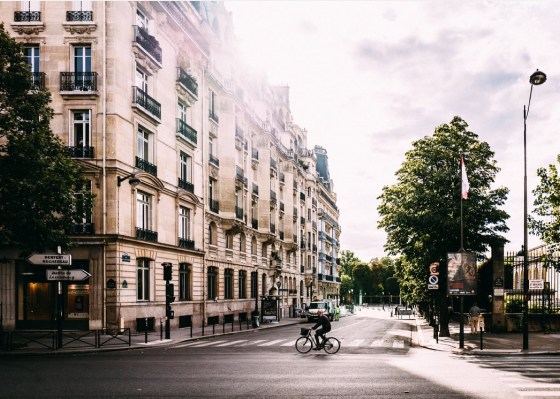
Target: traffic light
{"points": [[169, 291], [167, 271]]}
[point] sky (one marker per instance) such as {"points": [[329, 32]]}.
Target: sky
{"points": [[368, 78]]}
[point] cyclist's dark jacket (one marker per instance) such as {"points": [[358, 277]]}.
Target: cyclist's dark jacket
{"points": [[324, 323]]}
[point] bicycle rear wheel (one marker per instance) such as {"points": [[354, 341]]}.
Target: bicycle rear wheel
{"points": [[331, 345], [304, 345]]}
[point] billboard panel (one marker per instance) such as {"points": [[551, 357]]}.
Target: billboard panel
{"points": [[461, 273]]}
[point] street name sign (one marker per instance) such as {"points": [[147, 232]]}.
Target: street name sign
{"points": [[49, 260], [433, 286], [72, 275]]}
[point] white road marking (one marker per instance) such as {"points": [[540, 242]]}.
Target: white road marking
{"points": [[232, 342], [272, 342]]}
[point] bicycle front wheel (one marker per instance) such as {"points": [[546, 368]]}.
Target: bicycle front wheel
{"points": [[332, 345], [304, 345]]}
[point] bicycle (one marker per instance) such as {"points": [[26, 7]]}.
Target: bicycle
{"points": [[304, 344]]}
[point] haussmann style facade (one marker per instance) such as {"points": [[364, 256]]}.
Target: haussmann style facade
{"points": [[195, 160]]}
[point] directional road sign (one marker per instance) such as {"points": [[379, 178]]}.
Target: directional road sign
{"points": [[49, 260], [59, 274]]}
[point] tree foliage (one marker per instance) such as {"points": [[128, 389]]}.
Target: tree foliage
{"points": [[42, 190], [347, 262], [547, 206], [421, 212]]}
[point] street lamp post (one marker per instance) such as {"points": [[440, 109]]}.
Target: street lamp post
{"points": [[537, 78], [256, 290]]}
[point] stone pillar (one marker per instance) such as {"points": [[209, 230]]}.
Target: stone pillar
{"points": [[498, 315]]}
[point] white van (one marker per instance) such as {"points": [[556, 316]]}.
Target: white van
{"points": [[325, 304]]}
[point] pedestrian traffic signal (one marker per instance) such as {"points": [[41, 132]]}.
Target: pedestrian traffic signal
{"points": [[167, 271]]}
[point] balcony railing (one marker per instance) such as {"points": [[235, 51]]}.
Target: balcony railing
{"points": [[337, 279], [146, 166], [214, 206], [82, 228], [329, 258], [255, 223], [186, 131], [329, 277], [214, 160], [302, 196], [187, 80], [282, 178], [281, 206], [272, 228], [185, 185], [148, 43], [142, 98], [78, 81], [239, 173], [272, 196], [213, 116], [302, 269], [272, 163], [254, 153], [147, 235], [187, 244], [302, 220], [239, 212], [302, 245], [78, 16], [27, 16], [80, 152], [281, 234], [38, 79], [239, 132], [255, 189]]}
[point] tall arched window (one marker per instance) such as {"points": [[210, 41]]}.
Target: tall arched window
{"points": [[263, 284], [213, 234], [253, 246], [212, 283], [143, 279], [184, 282], [242, 243]]}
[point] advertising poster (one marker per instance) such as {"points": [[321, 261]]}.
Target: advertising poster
{"points": [[269, 309], [461, 273], [78, 301]]}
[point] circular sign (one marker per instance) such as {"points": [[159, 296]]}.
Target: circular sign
{"points": [[433, 279]]}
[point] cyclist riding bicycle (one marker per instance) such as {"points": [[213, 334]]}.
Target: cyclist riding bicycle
{"points": [[325, 325]]}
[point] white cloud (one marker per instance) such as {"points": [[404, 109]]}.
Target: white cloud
{"points": [[386, 73]]}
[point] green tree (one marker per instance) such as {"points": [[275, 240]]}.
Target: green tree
{"points": [[347, 262], [421, 212], [42, 191], [346, 284], [547, 206], [363, 278]]}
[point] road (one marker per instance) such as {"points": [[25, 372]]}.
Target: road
{"points": [[377, 359]]}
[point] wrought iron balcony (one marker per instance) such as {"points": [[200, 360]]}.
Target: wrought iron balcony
{"points": [[82, 228], [302, 269], [214, 206], [185, 185], [302, 244], [272, 163], [302, 220], [255, 189], [338, 261], [281, 234], [337, 279], [27, 16], [148, 43], [329, 277], [142, 99], [238, 212], [187, 80], [302, 196], [255, 223], [146, 166], [148, 235], [239, 132], [272, 196], [38, 79], [80, 152], [213, 116], [239, 172], [320, 277], [329, 258], [281, 206], [254, 153], [282, 178], [79, 16], [78, 81], [214, 160], [272, 228], [187, 244], [186, 131]]}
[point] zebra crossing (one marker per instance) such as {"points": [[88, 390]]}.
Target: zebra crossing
{"points": [[349, 343], [529, 376]]}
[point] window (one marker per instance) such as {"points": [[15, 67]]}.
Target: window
{"points": [[82, 59], [229, 240], [184, 282], [143, 279], [309, 191], [228, 284], [242, 243], [184, 223], [144, 139], [81, 137], [32, 54], [212, 102], [242, 284], [142, 80], [212, 234], [212, 286], [143, 211], [142, 20], [182, 112], [309, 215], [211, 190], [254, 281], [253, 246], [82, 5], [185, 167]]}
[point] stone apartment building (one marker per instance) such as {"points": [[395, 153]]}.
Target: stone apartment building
{"points": [[195, 160]]}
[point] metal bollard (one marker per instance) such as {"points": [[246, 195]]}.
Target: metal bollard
{"points": [[161, 328], [231, 325], [191, 329], [146, 332]]}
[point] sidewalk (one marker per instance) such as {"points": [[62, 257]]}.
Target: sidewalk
{"points": [[140, 340], [493, 343]]}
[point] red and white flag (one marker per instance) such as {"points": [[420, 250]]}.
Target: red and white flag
{"points": [[465, 181]]}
